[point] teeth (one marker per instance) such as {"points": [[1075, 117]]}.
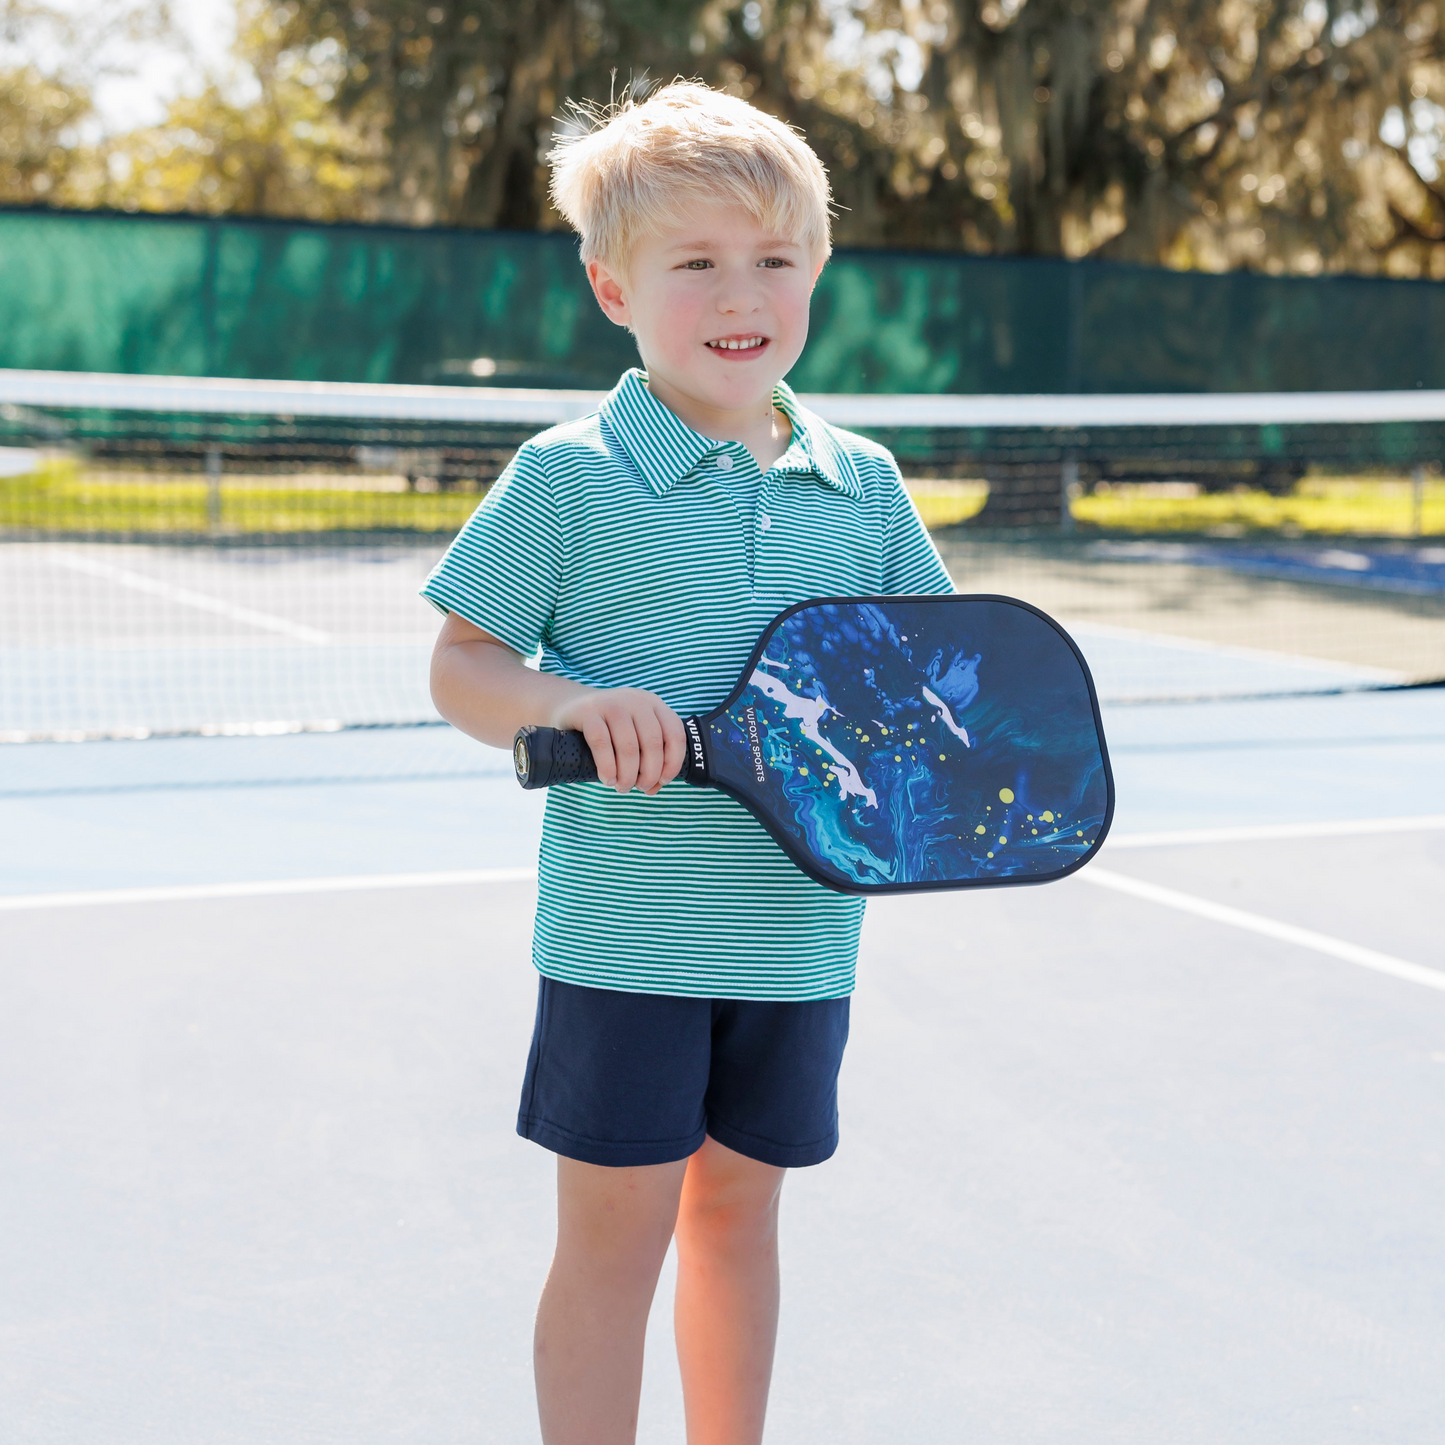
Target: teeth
{"points": [[744, 345]]}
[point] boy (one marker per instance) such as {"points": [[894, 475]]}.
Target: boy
{"points": [[693, 1000]]}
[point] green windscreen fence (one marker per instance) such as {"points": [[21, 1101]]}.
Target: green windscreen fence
{"points": [[196, 296]]}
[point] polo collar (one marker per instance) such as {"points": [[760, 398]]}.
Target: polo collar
{"points": [[665, 449]]}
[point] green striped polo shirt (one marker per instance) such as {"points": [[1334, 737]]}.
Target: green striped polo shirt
{"points": [[619, 547]]}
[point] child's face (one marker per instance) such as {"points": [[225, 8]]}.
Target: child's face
{"points": [[715, 277]]}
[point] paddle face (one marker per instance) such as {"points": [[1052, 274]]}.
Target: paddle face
{"points": [[892, 744]]}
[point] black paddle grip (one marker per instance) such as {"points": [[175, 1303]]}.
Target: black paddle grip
{"points": [[545, 757]]}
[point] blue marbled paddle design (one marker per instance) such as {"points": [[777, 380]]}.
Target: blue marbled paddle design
{"points": [[915, 742]]}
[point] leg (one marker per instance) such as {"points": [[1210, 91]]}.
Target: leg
{"points": [[726, 1313], [613, 1228]]}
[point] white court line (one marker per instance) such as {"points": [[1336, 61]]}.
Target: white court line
{"points": [[1349, 828], [1266, 927], [1100, 877], [186, 597], [364, 882]]}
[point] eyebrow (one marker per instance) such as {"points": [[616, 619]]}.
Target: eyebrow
{"points": [[772, 243]]}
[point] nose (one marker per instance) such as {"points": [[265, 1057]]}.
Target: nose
{"points": [[738, 292]]}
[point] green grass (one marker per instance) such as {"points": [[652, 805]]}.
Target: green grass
{"points": [[63, 496], [1318, 506], [942, 504]]}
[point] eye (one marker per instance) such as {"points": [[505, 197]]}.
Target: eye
{"points": [[698, 265], [774, 263]]}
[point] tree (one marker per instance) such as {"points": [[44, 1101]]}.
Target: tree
{"points": [[1289, 134], [468, 91], [54, 58], [1296, 135], [39, 119], [282, 150]]}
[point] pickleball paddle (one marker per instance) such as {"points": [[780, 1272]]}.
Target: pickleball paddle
{"points": [[892, 744]]}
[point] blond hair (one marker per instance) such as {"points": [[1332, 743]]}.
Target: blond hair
{"points": [[629, 173]]}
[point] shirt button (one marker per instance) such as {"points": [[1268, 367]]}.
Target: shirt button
{"points": [[724, 462], [764, 522]]}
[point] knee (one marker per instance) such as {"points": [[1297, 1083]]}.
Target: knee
{"points": [[722, 1220]]}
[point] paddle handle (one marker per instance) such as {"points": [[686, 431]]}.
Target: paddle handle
{"points": [[549, 757]]}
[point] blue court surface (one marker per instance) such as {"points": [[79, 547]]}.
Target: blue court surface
{"points": [[1154, 1154]]}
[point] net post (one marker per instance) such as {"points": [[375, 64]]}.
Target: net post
{"points": [[213, 488], [1068, 490], [1417, 501]]}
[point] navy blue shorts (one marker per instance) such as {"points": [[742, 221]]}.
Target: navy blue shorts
{"points": [[642, 1078]]}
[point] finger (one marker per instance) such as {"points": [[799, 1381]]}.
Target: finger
{"points": [[674, 744], [625, 747], [599, 739], [649, 741]]}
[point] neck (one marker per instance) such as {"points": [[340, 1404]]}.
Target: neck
{"points": [[756, 424]]}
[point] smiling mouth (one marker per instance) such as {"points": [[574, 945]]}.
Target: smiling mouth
{"points": [[738, 343]]}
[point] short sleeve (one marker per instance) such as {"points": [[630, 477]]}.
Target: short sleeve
{"points": [[911, 564], [503, 570]]}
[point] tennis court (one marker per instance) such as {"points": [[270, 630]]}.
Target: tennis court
{"points": [[1146, 301], [104, 637], [1150, 1154]]}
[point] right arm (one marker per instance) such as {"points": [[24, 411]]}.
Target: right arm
{"points": [[486, 690]]}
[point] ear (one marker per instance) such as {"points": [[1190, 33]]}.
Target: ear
{"points": [[607, 288], [817, 271]]}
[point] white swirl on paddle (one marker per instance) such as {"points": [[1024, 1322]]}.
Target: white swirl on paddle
{"points": [[808, 712]]}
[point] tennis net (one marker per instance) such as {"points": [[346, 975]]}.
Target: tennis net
{"points": [[184, 556]]}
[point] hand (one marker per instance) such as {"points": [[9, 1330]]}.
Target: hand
{"points": [[636, 739]]}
